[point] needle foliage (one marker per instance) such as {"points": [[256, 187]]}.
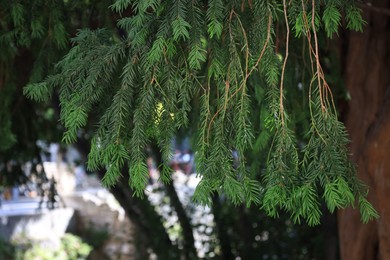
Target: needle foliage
{"points": [[241, 77]]}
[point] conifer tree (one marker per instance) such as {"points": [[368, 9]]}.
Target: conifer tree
{"points": [[230, 73]]}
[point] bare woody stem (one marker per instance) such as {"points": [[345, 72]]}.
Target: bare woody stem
{"points": [[284, 63]]}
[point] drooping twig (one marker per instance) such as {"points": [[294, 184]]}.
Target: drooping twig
{"points": [[284, 62]]}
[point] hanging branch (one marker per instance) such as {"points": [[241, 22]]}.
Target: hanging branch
{"points": [[247, 73], [162, 39], [316, 55], [324, 88], [284, 62]]}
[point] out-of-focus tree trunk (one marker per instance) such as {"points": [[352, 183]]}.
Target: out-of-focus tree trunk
{"points": [[189, 249], [221, 228], [329, 231], [367, 77], [149, 225], [143, 215]]}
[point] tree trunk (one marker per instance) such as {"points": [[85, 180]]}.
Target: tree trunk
{"points": [[187, 229], [367, 78], [221, 229], [148, 222], [189, 249]]}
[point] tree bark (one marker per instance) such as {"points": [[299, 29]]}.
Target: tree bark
{"points": [[221, 231], [367, 77], [189, 249], [144, 216]]}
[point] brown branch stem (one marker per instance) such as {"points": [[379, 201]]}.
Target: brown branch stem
{"points": [[284, 62]]}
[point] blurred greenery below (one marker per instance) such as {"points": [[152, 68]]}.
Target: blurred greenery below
{"points": [[71, 248]]}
